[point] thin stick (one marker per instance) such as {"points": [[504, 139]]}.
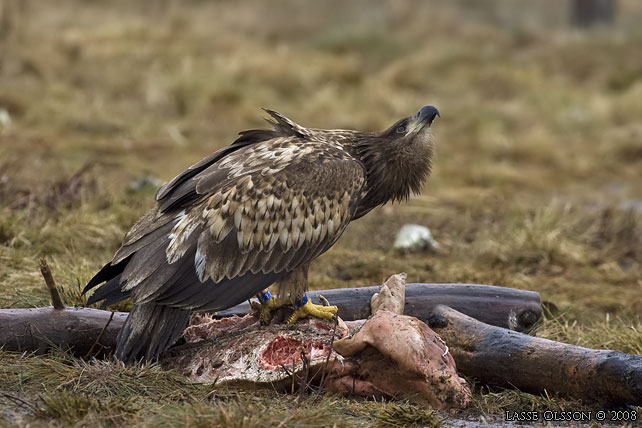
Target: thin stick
{"points": [[51, 285], [100, 335], [327, 360], [303, 381], [19, 401]]}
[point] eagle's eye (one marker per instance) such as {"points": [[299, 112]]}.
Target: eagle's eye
{"points": [[401, 129]]}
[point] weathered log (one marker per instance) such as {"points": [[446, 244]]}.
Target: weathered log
{"points": [[493, 355], [39, 329], [501, 357], [77, 328], [501, 306]]}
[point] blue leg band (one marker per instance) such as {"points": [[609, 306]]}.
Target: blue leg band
{"points": [[264, 297], [302, 302]]}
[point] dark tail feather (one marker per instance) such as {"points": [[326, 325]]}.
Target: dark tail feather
{"points": [[109, 293], [108, 272], [149, 330]]}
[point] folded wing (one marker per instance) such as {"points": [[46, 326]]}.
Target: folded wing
{"points": [[237, 224]]}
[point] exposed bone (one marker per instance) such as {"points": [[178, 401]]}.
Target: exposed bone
{"points": [[392, 296], [402, 358], [392, 356]]}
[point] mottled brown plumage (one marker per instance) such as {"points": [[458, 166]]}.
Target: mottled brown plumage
{"points": [[253, 213]]}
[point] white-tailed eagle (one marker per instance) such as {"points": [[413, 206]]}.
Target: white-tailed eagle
{"points": [[251, 214]]}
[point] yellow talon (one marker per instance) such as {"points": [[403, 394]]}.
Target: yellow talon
{"points": [[318, 311], [265, 309]]}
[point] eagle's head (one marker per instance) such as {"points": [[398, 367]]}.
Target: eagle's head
{"points": [[412, 128], [398, 160]]}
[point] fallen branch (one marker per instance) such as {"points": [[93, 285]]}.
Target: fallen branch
{"points": [[39, 329], [501, 357], [493, 355], [518, 310]]}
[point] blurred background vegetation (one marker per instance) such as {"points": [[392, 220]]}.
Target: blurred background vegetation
{"points": [[537, 183]]}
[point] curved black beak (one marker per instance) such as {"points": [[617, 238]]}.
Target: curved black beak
{"points": [[426, 115]]}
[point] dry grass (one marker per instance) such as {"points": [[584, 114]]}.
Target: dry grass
{"points": [[537, 182], [65, 391]]}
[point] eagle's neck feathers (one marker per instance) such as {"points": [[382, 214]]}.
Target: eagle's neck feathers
{"points": [[395, 168]]}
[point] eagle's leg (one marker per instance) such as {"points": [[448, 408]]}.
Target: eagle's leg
{"points": [[307, 308], [266, 304], [295, 285], [291, 291]]}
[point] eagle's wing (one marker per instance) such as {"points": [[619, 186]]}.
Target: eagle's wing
{"points": [[240, 223], [180, 191]]}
